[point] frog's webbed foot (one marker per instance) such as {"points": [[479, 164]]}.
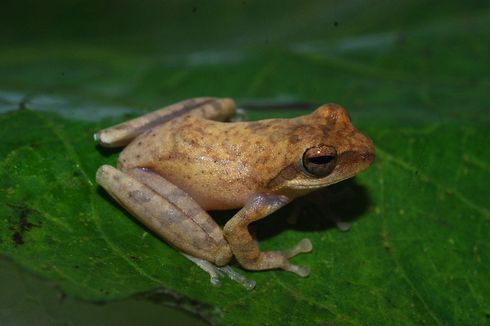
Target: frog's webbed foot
{"points": [[216, 272]]}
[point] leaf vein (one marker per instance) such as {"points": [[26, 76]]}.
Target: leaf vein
{"points": [[300, 296], [408, 167], [395, 260]]}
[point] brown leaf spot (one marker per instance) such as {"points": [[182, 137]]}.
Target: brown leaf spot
{"points": [[17, 238]]}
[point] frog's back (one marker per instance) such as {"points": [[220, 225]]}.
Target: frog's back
{"points": [[219, 164], [222, 165]]}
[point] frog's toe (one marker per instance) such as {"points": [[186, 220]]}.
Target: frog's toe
{"points": [[343, 226], [215, 280], [298, 270], [215, 273], [237, 277], [303, 246]]}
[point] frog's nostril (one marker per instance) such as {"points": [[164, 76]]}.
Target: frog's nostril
{"points": [[367, 156]]}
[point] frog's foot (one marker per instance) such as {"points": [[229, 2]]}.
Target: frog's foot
{"points": [[304, 246], [280, 259], [342, 226], [240, 115], [216, 272]]}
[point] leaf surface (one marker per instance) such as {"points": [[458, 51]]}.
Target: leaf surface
{"points": [[418, 249]]}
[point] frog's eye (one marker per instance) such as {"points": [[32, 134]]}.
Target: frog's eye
{"points": [[319, 161]]}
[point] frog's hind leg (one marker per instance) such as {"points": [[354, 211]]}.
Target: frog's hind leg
{"points": [[168, 211], [204, 107], [171, 214]]}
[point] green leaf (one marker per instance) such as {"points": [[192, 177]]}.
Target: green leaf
{"points": [[29, 300], [413, 78]]}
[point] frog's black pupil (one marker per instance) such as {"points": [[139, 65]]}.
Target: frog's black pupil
{"points": [[321, 159]]}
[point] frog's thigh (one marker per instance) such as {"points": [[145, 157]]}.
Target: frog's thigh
{"points": [[167, 211], [219, 109], [246, 250]]}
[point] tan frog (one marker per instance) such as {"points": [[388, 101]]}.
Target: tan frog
{"points": [[182, 161]]}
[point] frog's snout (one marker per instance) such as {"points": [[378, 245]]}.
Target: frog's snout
{"points": [[368, 157], [366, 151]]}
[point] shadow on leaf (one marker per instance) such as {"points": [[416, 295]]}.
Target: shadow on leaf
{"points": [[333, 206], [107, 151]]}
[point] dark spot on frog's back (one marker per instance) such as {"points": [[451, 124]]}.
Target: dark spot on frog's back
{"points": [[293, 139]]}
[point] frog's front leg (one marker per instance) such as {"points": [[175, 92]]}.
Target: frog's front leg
{"points": [[172, 215], [245, 248]]}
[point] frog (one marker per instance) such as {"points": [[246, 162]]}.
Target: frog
{"points": [[189, 158]]}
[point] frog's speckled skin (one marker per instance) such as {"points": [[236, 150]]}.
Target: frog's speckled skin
{"points": [[182, 160]]}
